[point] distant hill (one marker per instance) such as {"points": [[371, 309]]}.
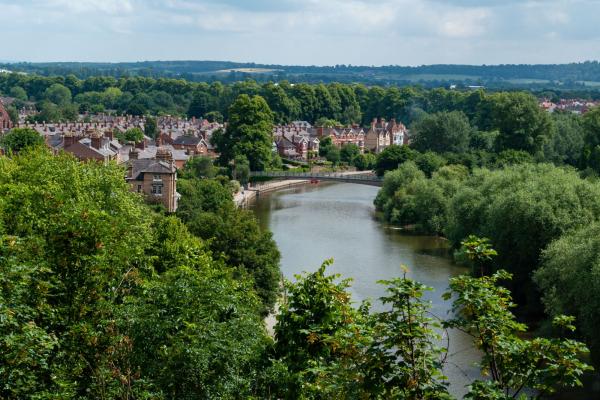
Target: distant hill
{"points": [[574, 75]]}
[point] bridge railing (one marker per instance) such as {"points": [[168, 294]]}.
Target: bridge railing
{"points": [[367, 176]]}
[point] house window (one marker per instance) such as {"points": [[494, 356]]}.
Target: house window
{"points": [[157, 177], [157, 190], [139, 188]]}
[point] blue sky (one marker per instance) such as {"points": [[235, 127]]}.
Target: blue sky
{"points": [[307, 32]]}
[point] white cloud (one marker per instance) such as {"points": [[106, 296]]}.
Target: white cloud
{"points": [[303, 31], [464, 24]]}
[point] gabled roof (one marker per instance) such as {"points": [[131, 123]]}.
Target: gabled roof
{"points": [[151, 166], [186, 140]]}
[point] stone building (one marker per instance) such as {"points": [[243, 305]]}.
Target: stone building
{"points": [[383, 134], [155, 178]]}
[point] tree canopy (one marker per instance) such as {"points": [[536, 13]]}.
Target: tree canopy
{"points": [[248, 133], [20, 138]]}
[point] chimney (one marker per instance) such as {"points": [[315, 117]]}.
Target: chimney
{"points": [[96, 140], [163, 154], [133, 154], [68, 139]]}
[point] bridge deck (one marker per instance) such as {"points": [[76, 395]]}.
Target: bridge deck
{"points": [[364, 178]]}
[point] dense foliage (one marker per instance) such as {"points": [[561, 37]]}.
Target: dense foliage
{"points": [[100, 298], [233, 235], [569, 280], [20, 138], [521, 208], [325, 348], [248, 134]]}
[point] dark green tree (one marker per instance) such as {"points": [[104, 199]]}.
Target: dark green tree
{"points": [[442, 132], [150, 128], [248, 133], [58, 94], [391, 157], [20, 138], [349, 152]]}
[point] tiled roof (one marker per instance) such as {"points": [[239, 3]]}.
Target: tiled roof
{"points": [[151, 166]]}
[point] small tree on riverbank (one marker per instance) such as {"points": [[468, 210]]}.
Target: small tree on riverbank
{"points": [[330, 349]]}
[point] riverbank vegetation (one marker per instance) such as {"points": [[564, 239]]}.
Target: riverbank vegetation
{"points": [[100, 297], [530, 212]]}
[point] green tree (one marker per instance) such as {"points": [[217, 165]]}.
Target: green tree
{"points": [[568, 142], [150, 128], [405, 353], [18, 93], [429, 162], [314, 334], [364, 162], [58, 94], [513, 363], [195, 330], [591, 126], [522, 208], [349, 152], [135, 135], [234, 235], [391, 157], [201, 167], [20, 138], [327, 123], [333, 155], [569, 281], [248, 133], [73, 242], [214, 116], [200, 104], [325, 145], [241, 169], [442, 132], [522, 124]]}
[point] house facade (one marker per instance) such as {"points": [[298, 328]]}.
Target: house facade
{"points": [[155, 178], [5, 121], [382, 134]]}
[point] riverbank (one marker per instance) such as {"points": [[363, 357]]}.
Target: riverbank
{"points": [[244, 196]]}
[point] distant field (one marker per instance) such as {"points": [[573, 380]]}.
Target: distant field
{"points": [[590, 83], [526, 81], [439, 77], [246, 70]]}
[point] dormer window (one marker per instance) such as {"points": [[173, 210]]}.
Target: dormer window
{"points": [[157, 177]]}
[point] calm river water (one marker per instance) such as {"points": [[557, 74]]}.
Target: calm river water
{"points": [[314, 222]]}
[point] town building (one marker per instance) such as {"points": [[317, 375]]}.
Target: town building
{"points": [[94, 146], [382, 134], [5, 121], [155, 178]]}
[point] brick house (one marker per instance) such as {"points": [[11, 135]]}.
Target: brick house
{"points": [[5, 121], [95, 147], [155, 178], [193, 145], [383, 134]]}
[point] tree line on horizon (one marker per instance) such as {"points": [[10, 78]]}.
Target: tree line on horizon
{"points": [[508, 76]]}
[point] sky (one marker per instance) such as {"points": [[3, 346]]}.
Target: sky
{"points": [[302, 32]]}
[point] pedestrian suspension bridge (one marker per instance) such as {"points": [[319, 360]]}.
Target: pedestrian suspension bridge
{"points": [[362, 177]]}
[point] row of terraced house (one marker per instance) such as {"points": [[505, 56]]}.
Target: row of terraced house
{"points": [[151, 164], [298, 139]]}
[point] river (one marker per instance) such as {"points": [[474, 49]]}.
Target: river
{"points": [[315, 222]]}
